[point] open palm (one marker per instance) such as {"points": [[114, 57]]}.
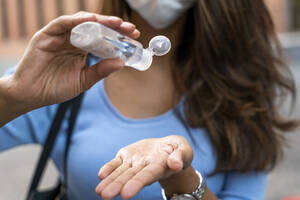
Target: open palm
{"points": [[143, 163]]}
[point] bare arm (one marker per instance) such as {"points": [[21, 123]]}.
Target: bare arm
{"points": [[52, 70], [7, 107]]}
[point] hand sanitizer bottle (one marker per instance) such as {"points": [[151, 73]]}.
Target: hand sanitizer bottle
{"points": [[105, 42]]}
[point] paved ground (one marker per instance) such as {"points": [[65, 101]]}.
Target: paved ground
{"points": [[16, 166]]}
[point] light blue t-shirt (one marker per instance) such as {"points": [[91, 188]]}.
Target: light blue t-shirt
{"points": [[101, 130]]}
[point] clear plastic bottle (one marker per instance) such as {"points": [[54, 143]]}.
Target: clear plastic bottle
{"points": [[105, 42]]}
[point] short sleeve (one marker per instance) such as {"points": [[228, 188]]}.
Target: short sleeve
{"points": [[30, 128], [244, 186]]}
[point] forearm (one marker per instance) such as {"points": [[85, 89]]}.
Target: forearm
{"points": [[185, 181], [9, 109]]}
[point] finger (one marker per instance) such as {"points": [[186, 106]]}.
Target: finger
{"points": [[110, 21], [128, 29], [93, 74], [135, 34], [117, 172], [175, 160], [146, 176], [109, 167], [65, 23], [117, 24], [115, 187]]}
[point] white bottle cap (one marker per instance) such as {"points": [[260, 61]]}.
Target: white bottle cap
{"points": [[145, 61], [160, 45]]}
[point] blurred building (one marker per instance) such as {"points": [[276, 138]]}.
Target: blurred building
{"points": [[20, 19]]}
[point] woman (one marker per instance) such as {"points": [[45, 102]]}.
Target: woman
{"points": [[215, 91]]}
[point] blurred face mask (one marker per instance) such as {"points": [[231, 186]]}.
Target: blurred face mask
{"points": [[161, 13]]}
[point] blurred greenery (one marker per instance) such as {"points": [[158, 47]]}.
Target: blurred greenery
{"points": [[296, 6]]}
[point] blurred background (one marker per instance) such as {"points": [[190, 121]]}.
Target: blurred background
{"points": [[20, 19]]}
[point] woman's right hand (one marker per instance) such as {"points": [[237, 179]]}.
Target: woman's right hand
{"points": [[52, 70]]}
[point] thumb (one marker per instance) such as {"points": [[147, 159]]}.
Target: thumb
{"points": [[175, 160], [102, 69]]}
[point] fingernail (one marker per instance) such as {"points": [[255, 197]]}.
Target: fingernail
{"points": [[136, 32], [97, 190], [100, 174], [127, 25], [121, 63]]}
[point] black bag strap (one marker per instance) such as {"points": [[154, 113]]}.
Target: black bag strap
{"points": [[75, 107], [51, 137]]}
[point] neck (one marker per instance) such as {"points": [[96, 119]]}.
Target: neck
{"points": [[139, 94]]}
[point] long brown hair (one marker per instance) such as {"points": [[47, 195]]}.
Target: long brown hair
{"points": [[230, 69]]}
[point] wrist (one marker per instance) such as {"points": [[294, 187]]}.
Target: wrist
{"points": [[185, 181], [9, 106], [5, 100]]}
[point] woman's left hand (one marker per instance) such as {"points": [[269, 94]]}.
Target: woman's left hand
{"points": [[141, 164]]}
